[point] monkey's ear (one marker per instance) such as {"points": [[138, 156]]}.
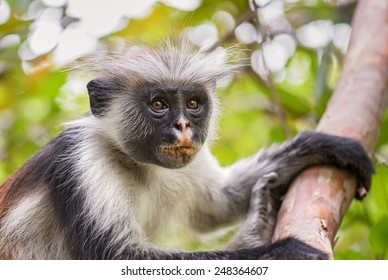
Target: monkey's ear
{"points": [[99, 96]]}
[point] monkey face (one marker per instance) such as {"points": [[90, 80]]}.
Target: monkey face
{"points": [[157, 105], [166, 124]]}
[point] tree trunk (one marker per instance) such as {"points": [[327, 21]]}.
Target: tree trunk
{"points": [[318, 199]]}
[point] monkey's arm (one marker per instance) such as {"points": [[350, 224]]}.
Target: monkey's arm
{"points": [[287, 161]]}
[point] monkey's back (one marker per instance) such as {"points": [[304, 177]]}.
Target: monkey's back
{"points": [[28, 227]]}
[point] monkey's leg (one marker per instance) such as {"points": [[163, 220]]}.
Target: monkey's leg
{"points": [[289, 248]]}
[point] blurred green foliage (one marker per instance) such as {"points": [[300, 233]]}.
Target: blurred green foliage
{"points": [[36, 97]]}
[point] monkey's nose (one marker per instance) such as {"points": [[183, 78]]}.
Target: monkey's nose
{"points": [[183, 132], [181, 125]]}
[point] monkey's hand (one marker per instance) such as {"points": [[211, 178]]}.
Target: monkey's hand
{"points": [[258, 225], [343, 152]]}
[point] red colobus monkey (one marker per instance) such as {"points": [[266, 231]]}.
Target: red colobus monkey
{"points": [[115, 179]]}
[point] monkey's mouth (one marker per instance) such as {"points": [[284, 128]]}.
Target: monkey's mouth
{"points": [[179, 150], [179, 155]]}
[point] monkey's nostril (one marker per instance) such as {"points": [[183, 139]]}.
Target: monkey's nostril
{"points": [[177, 126], [181, 125]]}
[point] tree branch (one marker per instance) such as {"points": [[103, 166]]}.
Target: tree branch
{"points": [[318, 199]]}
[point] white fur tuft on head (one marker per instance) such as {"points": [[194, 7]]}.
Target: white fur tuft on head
{"points": [[173, 62]]}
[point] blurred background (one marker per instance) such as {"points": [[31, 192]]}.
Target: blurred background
{"points": [[292, 51]]}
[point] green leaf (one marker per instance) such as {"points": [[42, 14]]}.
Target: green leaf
{"points": [[377, 201], [378, 237], [349, 255]]}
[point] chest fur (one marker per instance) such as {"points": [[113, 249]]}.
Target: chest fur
{"points": [[163, 203]]}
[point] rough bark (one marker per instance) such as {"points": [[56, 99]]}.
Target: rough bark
{"points": [[318, 199]]}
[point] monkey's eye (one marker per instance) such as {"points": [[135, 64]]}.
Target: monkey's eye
{"points": [[192, 104], [158, 104]]}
